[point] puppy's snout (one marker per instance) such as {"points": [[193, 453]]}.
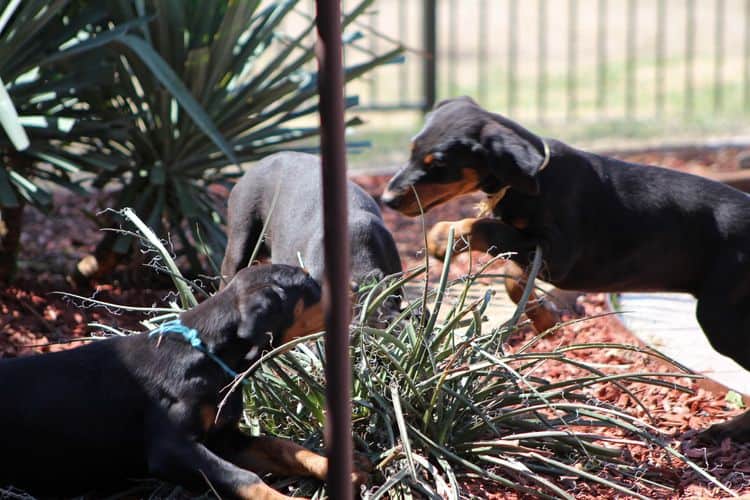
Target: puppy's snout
{"points": [[392, 198]]}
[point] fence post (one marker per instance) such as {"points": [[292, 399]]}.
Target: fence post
{"points": [[429, 74], [329, 52]]}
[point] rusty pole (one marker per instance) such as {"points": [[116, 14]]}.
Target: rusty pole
{"points": [[336, 243]]}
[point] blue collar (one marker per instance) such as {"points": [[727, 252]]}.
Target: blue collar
{"points": [[191, 335]]}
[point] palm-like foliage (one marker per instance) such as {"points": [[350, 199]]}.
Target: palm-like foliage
{"points": [[52, 95], [234, 88]]}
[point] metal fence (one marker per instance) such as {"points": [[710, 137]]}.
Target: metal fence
{"points": [[563, 60]]}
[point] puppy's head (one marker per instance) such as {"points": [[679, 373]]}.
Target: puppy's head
{"points": [[280, 301], [263, 306], [464, 148]]}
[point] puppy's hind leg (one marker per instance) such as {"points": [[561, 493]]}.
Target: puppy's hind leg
{"points": [[727, 327], [494, 237], [182, 461], [541, 313], [724, 315]]}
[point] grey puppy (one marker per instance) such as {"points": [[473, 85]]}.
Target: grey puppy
{"points": [[295, 228]]}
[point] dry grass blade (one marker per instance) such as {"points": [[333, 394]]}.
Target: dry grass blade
{"points": [[187, 298]]}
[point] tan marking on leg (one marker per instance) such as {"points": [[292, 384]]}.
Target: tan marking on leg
{"points": [[540, 314], [283, 457], [268, 454]]}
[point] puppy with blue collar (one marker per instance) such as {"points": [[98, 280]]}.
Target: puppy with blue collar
{"points": [[93, 417]]}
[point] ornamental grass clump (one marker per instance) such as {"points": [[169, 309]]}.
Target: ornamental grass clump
{"points": [[442, 404], [439, 401]]}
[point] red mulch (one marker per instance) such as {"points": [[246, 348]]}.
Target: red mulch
{"points": [[30, 315], [34, 317]]}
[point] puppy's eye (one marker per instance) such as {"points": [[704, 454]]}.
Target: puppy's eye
{"points": [[434, 160]]}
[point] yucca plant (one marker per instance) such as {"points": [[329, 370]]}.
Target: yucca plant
{"points": [[439, 402], [54, 94], [228, 85]]}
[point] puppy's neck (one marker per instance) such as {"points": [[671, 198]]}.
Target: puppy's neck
{"points": [[486, 207], [215, 320]]}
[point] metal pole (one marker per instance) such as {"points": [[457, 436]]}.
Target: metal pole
{"points": [[336, 243], [430, 61]]}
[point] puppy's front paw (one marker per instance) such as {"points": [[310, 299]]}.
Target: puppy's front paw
{"points": [[437, 237]]}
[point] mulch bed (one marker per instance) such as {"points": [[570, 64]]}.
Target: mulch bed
{"points": [[32, 317]]}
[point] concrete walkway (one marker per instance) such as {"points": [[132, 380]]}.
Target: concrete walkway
{"points": [[500, 308], [666, 321]]}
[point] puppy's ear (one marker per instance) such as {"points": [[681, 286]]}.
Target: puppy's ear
{"points": [[463, 145], [512, 159], [463, 98], [473, 146], [260, 316]]}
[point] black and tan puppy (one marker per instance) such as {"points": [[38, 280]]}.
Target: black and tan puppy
{"points": [[295, 228], [146, 405], [603, 224]]}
